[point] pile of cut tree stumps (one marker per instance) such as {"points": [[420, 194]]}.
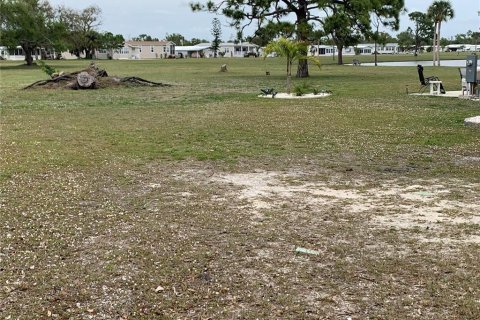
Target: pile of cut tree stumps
{"points": [[92, 77]]}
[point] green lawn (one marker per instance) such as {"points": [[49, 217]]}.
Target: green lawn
{"points": [[188, 201]]}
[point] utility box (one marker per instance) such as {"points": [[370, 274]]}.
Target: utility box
{"points": [[471, 69]]}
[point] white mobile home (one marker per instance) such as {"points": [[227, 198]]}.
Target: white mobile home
{"points": [[232, 50], [141, 50], [191, 51], [16, 54], [461, 48], [360, 49]]}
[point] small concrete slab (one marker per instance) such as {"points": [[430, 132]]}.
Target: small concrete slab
{"points": [[472, 122], [448, 94]]}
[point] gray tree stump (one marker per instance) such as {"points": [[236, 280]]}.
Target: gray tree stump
{"points": [[85, 80]]}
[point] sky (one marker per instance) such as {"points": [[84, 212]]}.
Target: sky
{"points": [[161, 17]]}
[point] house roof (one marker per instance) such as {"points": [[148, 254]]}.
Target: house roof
{"points": [[230, 44], [191, 48], [360, 45], [458, 46], [364, 45], [133, 43]]}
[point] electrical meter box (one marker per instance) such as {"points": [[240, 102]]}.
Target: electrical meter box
{"points": [[471, 69]]}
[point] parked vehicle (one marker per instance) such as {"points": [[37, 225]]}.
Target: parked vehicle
{"points": [[250, 54]]}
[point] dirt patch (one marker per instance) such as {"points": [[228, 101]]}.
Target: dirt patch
{"points": [[422, 204], [282, 95]]}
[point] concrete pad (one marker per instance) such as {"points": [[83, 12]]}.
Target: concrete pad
{"points": [[448, 94], [472, 122], [281, 95]]}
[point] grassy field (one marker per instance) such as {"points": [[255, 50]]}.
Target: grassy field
{"points": [[189, 202]]}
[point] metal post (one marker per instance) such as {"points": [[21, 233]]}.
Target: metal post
{"points": [[471, 72]]}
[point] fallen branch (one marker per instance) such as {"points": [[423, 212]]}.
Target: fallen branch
{"points": [[137, 80], [66, 77]]}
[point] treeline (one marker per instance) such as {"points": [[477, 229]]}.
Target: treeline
{"points": [[36, 24]]}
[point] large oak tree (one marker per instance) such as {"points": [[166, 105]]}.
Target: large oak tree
{"points": [[82, 25], [307, 15], [31, 24]]}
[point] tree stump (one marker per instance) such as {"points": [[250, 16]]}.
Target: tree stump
{"points": [[91, 78], [85, 80]]}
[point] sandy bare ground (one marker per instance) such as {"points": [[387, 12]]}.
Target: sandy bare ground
{"points": [[284, 95], [424, 204]]}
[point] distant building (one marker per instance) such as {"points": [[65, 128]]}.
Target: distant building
{"points": [[461, 48], [360, 49], [197, 51], [140, 50], [232, 50], [16, 54], [130, 50]]}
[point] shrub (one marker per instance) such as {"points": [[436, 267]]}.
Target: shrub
{"points": [[301, 89], [46, 68]]}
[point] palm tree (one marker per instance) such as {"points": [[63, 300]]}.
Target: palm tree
{"points": [[292, 50], [440, 10]]}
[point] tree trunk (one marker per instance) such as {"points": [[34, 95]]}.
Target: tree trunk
{"points": [[438, 43], [289, 84], [29, 58], [417, 40], [376, 39], [302, 70], [88, 54], [434, 46], [28, 55], [289, 76], [340, 55]]}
